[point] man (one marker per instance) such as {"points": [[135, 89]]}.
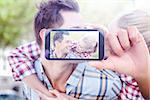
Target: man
{"points": [[69, 77], [67, 22], [75, 79], [61, 45]]}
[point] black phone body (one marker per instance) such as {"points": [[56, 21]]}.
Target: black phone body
{"points": [[82, 38]]}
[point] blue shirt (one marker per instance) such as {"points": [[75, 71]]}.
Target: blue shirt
{"points": [[85, 83]]}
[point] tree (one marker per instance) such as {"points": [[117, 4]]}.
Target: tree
{"points": [[15, 17]]}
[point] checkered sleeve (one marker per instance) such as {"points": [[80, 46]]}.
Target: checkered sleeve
{"points": [[130, 89], [21, 60]]}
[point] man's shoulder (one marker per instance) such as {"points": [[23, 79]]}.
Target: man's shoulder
{"points": [[89, 71], [106, 72], [98, 82], [104, 75], [29, 45]]}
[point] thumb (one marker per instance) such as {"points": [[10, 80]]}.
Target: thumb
{"points": [[103, 64], [122, 64]]}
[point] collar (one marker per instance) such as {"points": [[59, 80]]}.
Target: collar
{"points": [[41, 74], [71, 83], [75, 77]]}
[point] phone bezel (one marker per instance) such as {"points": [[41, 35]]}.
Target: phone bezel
{"points": [[101, 44]]}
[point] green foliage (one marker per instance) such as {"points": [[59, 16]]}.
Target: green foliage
{"points": [[15, 16]]}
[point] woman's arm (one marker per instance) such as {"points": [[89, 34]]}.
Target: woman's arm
{"points": [[21, 61], [58, 96], [33, 82]]}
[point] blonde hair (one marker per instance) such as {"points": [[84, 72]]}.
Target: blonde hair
{"points": [[138, 18], [88, 43]]}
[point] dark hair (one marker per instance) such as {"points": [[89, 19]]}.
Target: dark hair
{"points": [[59, 36], [49, 15]]}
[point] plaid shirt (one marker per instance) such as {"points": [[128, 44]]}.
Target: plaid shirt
{"points": [[85, 83], [22, 58]]}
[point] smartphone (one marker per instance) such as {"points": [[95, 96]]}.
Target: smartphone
{"points": [[74, 44]]}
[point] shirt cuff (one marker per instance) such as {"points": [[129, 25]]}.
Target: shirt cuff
{"points": [[27, 73]]}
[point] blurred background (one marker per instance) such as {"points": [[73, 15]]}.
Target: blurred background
{"points": [[16, 25]]}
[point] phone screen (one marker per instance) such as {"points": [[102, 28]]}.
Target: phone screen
{"points": [[74, 44]]}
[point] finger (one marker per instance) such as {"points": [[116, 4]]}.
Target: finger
{"points": [[50, 94], [41, 95], [104, 64], [55, 92], [115, 45], [124, 39], [61, 96], [44, 97], [96, 64], [133, 34], [108, 49], [114, 63]]}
